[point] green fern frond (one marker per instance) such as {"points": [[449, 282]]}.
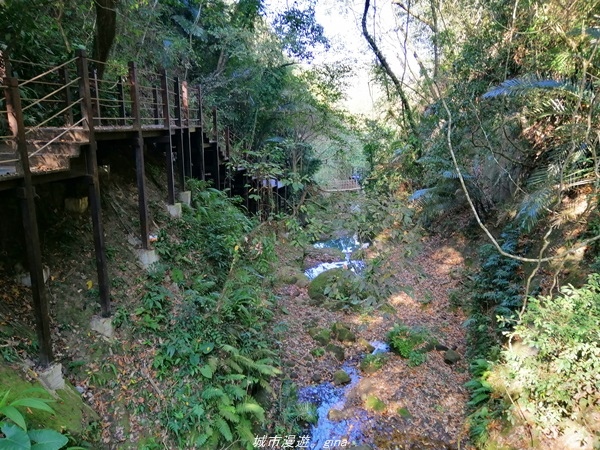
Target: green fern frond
{"points": [[253, 408], [224, 429], [189, 27], [245, 431], [591, 32], [235, 391], [266, 385], [534, 205], [434, 160], [212, 392], [230, 349], [229, 413]]}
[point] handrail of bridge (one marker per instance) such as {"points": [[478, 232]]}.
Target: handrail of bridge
{"points": [[52, 100], [49, 71], [58, 136], [54, 116], [46, 97]]}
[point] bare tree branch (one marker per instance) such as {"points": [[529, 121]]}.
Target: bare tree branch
{"points": [[390, 73]]}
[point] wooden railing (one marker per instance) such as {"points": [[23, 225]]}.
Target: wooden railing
{"points": [[49, 102]]}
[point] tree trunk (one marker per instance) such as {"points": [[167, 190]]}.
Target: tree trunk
{"points": [[388, 70], [106, 28]]}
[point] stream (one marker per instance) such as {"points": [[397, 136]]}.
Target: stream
{"points": [[328, 433], [347, 245]]}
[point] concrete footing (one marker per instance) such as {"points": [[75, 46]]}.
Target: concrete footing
{"points": [[147, 257], [76, 205], [24, 278], [174, 210], [52, 377], [185, 197], [103, 326]]}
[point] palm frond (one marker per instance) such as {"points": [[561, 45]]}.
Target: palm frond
{"points": [[592, 32], [421, 195], [534, 206], [521, 86]]}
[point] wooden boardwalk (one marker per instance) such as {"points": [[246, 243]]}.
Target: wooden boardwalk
{"points": [[53, 123]]}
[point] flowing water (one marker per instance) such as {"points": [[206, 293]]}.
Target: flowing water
{"points": [[327, 397], [328, 433], [347, 245]]}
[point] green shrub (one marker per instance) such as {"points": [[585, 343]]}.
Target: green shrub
{"points": [[409, 343], [372, 363], [554, 372]]}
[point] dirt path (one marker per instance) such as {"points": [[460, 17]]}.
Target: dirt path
{"points": [[423, 406]]}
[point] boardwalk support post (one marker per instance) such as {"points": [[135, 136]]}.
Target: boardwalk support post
{"points": [[164, 87], [215, 148], [32, 237], [185, 124], [179, 133], [138, 146], [94, 185], [201, 139]]}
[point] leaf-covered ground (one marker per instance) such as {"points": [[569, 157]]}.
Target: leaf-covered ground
{"points": [[425, 404]]}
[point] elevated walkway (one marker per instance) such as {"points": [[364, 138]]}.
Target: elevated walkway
{"points": [[51, 124]]}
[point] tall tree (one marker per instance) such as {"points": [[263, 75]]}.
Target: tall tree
{"points": [[406, 107], [106, 30]]}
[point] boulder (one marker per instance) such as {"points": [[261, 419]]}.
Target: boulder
{"points": [[337, 351], [335, 415], [321, 335], [342, 332], [451, 357], [366, 345], [341, 377], [302, 281], [345, 282]]}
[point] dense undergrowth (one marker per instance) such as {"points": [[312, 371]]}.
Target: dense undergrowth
{"points": [[534, 369], [205, 311]]}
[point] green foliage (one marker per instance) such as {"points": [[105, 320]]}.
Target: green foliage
{"points": [[16, 438], [16, 435], [295, 415], [555, 378], [300, 31], [10, 411], [483, 408], [496, 296], [409, 343], [205, 312], [372, 363]]}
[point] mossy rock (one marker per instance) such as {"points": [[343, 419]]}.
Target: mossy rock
{"points": [[342, 332], [373, 403], [321, 335], [337, 351], [330, 288], [288, 276], [451, 357], [341, 377], [72, 414], [326, 254], [302, 281], [366, 345], [372, 363]]}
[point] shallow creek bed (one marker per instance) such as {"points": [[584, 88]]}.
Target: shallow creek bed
{"points": [[398, 405]]}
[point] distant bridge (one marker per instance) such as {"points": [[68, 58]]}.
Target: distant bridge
{"points": [[341, 186]]}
